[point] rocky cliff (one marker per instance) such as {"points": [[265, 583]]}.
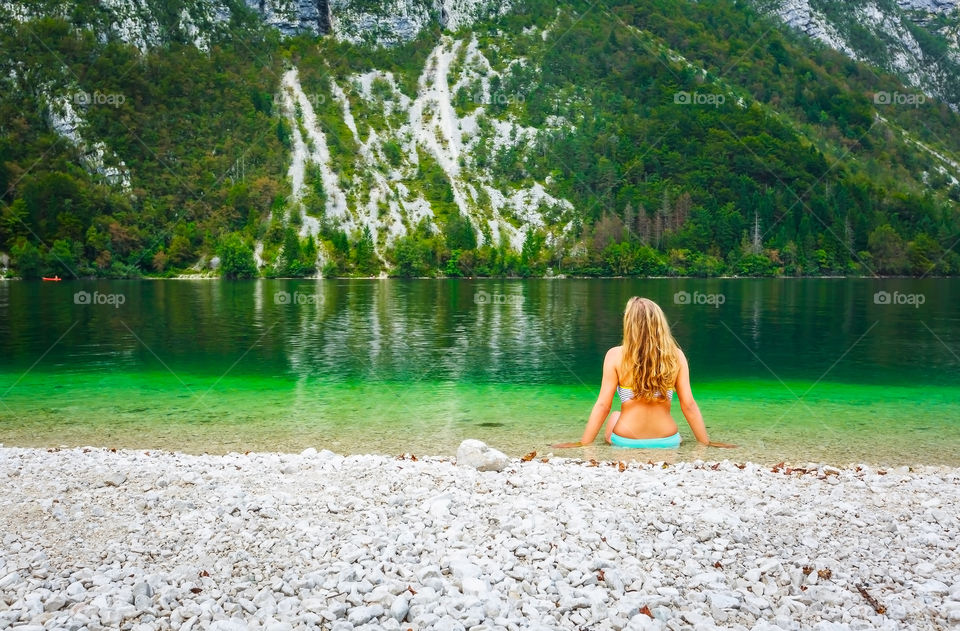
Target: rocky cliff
{"points": [[915, 39], [150, 22]]}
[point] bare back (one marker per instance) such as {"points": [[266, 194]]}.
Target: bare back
{"points": [[637, 418], [641, 418]]}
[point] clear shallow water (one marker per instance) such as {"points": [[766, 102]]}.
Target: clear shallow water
{"points": [[796, 370]]}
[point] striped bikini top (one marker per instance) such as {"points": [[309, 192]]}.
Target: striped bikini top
{"points": [[626, 394]]}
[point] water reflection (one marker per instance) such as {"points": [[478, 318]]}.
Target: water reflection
{"points": [[548, 331], [380, 362]]}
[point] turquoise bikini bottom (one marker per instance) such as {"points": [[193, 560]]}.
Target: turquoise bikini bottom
{"points": [[670, 442]]}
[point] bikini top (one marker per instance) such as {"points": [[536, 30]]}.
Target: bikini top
{"points": [[626, 394]]}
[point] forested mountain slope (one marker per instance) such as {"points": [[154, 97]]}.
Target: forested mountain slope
{"points": [[463, 138], [914, 39]]}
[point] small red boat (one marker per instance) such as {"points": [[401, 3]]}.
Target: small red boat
{"points": [[55, 278]]}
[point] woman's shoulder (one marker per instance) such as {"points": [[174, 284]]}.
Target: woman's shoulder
{"points": [[681, 358], [613, 355]]}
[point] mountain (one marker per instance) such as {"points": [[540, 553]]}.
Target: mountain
{"points": [[915, 39], [151, 23], [463, 137]]}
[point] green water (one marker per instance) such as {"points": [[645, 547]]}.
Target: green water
{"points": [[795, 370]]}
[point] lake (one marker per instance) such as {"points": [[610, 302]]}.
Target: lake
{"points": [[831, 370]]}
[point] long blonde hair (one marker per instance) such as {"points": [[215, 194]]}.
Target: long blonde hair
{"points": [[650, 361]]}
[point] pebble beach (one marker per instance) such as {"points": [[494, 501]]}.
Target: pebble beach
{"points": [[95, 538]]}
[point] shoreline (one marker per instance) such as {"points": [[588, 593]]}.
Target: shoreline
{"points": [[160, 540], [801, 462], [633, 458], [477, 278]]}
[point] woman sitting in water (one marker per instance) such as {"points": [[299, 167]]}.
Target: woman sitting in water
{"points": [[645, 372]]}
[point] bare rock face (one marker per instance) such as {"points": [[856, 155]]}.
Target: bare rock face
{"points": [[291, 17], [930, 6], [883, 34], [384, 23], [392, 22]]}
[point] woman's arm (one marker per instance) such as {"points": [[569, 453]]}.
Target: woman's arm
{"points": [[601, 409], [689, 407]]}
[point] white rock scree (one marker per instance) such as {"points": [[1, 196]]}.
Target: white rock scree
{"points": [[93, 539]]}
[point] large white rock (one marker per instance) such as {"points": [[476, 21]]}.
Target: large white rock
{"points": [[399, 608], [480, 456], [364, 614], [114, 479], [724, 600]]}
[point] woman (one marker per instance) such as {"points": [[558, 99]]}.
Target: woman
{"points": [[645, 372]]}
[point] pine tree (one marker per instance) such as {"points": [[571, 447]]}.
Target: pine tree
{"points": [[657, 228], [643, 225], [309, 253], [682, 211], [666, 211], [756, 243], [291, 253], [365, 257]]}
